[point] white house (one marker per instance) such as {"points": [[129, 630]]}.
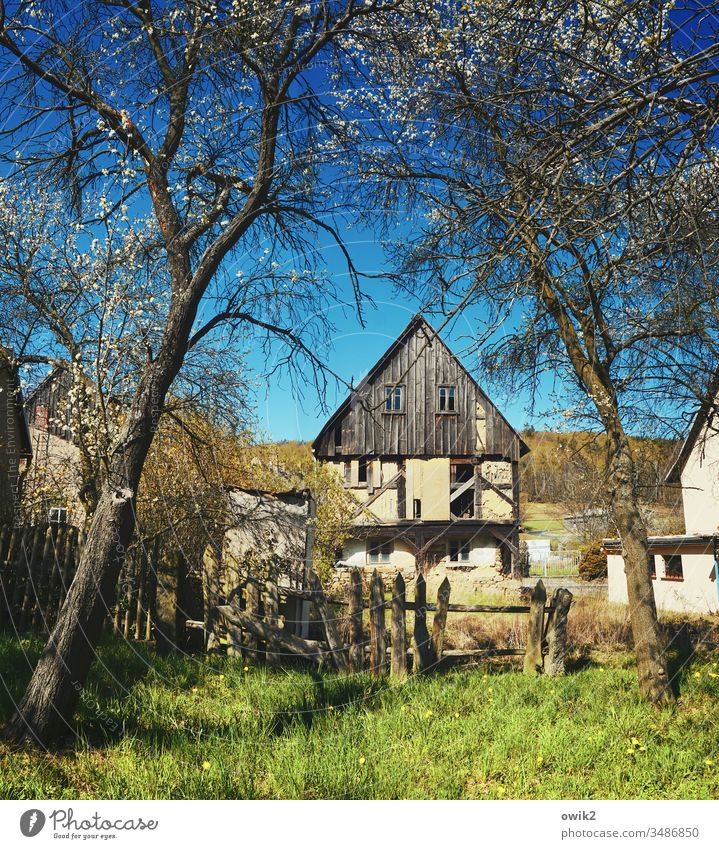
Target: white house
{"points": [[685, 567]]}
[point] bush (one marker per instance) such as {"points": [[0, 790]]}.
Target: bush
{"points": [[593, 565]]}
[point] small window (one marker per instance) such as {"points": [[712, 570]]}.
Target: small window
{"points": [[653, 566], [673, 569], [362, 474], [379, 552], [459, 550], [417, 508], [338, 436], [57, 516], [447, 399], [393, 400]]}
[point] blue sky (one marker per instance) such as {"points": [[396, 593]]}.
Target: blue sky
{"points": [[283, 415]]}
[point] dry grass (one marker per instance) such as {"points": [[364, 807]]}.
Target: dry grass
{"points": [[593, 625]]}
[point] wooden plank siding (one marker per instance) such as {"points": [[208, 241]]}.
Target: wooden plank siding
{"points": [[419, 362]]}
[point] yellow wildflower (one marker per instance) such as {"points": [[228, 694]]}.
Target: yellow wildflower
{"points": [[428, 714], [195, 690], [206, 765], [708, 761], [362, 760], [247, 669]]}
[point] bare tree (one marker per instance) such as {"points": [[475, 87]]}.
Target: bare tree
{"points": [[208, 120], [558, 156]]}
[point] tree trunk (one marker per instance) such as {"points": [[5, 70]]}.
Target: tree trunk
{"points": [[46, 710], [652, 670]]}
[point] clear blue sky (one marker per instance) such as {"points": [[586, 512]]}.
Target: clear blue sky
{"points": [[284, 415]]}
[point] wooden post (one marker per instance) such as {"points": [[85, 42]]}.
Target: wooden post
{"points": [[330, 624], [141, 589], [378, 645], [399, 629], [422, 656], [29, 599], [272, 613], [72, 556], [166, 604], [555, 660], [5, 532], [248, 640], [47, 558], [440, 620], [535, 630], [355, 615]]}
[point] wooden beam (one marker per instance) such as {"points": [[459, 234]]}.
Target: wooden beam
{"points": [[457, 492], [389, 485], [308, 649], [500, 492]]}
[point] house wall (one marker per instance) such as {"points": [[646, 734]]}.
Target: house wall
{"points": [[482, 552], [54, 476], [697, 593], [420, 363], [700, 487]]}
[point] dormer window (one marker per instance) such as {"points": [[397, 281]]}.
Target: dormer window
{"points": [[393, 399], [447, 399]]}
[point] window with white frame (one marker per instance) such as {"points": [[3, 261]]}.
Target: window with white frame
{"points": [[379, 551], [393, 399], [447, 399]]}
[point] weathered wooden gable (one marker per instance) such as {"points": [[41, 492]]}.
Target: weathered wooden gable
{"points": [[420, 363]]}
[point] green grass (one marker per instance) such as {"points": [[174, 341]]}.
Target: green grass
{"points": [[176, 729]]}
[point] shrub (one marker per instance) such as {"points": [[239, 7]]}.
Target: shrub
{"points": [[593, 565]]}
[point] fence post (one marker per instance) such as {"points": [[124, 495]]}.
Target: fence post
{"points": [[422, 657], [399, 629], [555, 660], [330, 624], [378, 646], [355, 614], [440, 620], [32, 568], [42, 581], [5, 534], [535, 630], [272, 611]]}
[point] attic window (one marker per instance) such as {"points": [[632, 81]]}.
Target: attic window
{"points": [[362, 471], [338, 436], [446, 399], [393, 399]]}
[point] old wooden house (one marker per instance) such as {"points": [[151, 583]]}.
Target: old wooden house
{"points": [[432, 462]]}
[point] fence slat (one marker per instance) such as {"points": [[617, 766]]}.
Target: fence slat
{"points": [[440, 620], [356, 603], [330, 624], [399, 629], [555, 661], [535, 630], [29, 598], [272, 613], [422, 656], [378, 645]]}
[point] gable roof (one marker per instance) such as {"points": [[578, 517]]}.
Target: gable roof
{"points": [[417, 322], [703, 418]]}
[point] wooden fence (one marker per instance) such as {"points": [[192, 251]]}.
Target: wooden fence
{"points": [[388, 648], [37, 565]]}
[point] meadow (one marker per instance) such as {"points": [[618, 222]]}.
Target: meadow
{"points": [[198, 727]]}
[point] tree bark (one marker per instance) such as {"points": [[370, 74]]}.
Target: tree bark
{"points": [[652, 670]]}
